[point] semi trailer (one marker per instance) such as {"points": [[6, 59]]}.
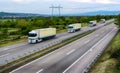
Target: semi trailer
{"points": [[92, 23], [39, 35], [74, 27]]}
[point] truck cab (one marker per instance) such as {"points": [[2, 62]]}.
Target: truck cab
{"points": [[33, 37], [92, 23], [70, 28], [102, 20]]}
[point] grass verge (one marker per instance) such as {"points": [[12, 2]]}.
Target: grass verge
{"points": [[60, 31], [8, 43], [109, 62]]}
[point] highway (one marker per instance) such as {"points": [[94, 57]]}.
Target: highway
{"points": [[10, 53], [74, 57]]}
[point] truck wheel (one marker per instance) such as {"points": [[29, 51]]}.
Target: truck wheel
{"points": [[36, 41], [41, 40], [74, 31]]}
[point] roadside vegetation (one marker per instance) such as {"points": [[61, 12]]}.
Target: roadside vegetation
{"points": [[109, 62]]}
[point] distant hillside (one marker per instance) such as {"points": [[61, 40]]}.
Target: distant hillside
{"points": [[6, 14], [97, 13]]}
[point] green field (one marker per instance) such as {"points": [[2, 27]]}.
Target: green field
{"points": [[10, 29], [7, 19], [109, 62]]}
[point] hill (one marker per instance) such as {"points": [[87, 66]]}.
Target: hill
{"points": [[7, 14], [97, 13]]}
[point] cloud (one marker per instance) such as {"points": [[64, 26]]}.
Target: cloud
{"points": [[84, 1], [24, 1], [99, 1]]}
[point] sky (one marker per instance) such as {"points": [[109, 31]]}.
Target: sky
{"points": [[68, 6]]}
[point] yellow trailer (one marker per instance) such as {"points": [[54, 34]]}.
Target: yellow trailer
{"points": [[74, 27], [41, 34]]}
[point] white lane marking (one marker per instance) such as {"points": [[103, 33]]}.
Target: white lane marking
{"points": [[91, 50], [75, 62], [70, 52], [87, 41], [4, 55], [40, 71], [87, 51], [96, 35], [6, 48], [33, 61]]}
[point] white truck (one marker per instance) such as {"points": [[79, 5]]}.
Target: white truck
{"points": [[38, 35], [74, 27], [92, 23], [102, 20]]}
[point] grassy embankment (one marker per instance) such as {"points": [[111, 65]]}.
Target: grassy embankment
{"points": [[12, 39], [109, 62], [16, 41]]}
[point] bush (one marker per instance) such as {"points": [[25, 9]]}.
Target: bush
{"points": [[116, 54]]}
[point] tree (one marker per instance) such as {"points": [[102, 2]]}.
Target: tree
{"points": [[98, 17], [84, 19], [23, 25]]}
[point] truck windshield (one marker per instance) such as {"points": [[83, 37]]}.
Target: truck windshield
{"points": [[32, 35], [70, 27], [91, 22]]}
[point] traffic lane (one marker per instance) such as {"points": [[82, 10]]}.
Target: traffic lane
{"points": [[12, 46], [21, 53], [61, 65], [27, 46], [37, 64], [18, 46], [83, 63]]}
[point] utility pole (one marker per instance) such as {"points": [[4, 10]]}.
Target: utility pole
{"points": [[52, 7], [59, 7], [56, 7]]}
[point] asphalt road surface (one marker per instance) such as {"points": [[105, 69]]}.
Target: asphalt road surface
{"points": [[74, 57]]}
